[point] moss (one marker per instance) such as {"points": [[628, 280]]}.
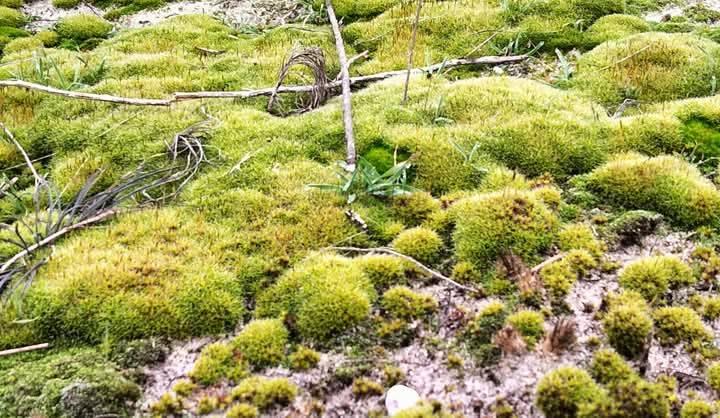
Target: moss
{"points": [[167, 405], [326, 294], [425, 409], [65, 4], [713, 376], [77, 383], [630, 398], [363, 387], [393, 375], [560, 393], [677, 324], [615, 27], [490, 225], [13, 4], [48, 38], [22, 44], [265, 392], [559, 277], [150, 273], [579, 237], [608, 368], [465, 272], [415, 208], [138, 353], [651, 68], [262, 342], [401, 302], [243, 410], [303, 359], [530, 324], [383, 270], [184, 388], [628, 324], [11, 18], [356, 9], [710, 308], [653, 276], [665, 184], [419, 243], [481, 329], [217, 361], [83, 27], [632, 226], [207, 405], [697, 409]]}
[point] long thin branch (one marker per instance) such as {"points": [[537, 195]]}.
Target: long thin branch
{"points": [[346, 92], [24, 349], [390, 251], [264, 92], [547, 262]]}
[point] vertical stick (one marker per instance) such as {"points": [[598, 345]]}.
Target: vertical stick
{"points": [[411, 50], [346, 93]]}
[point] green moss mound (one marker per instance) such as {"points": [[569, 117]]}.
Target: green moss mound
{"points": [[357, 9], [403, 303], [615, 27], [326, 295], [11, 18], [697, 409], [652, 67], [667, 185], [562, 392], [262, 342], [679, 324], [150, 273], [628, 324], [490, 225], [653, 276], [265, 392], [218, 361], [76, 383], [65, 4], [530, 324], [80, 28], [22, 44], [420, 243]]}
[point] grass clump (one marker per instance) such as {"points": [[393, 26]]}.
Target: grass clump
{"points": [[651, 68], [678, 324], [150, 273], [628, 324], [264, 392], [419, 243], [262, 342], [665, 184], [653, 276], [326, 295], [11, 18], [562, 392], [490, 225], [81, 28], [77, 383], [402, 303], [218, 361], [530, 324], [615, 27]]}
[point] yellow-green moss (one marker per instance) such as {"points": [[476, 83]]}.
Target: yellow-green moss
{"points": [[678, 324], [22, 44], [11, 17], [355, 9], [665, 184], [65, 4], [83, 27], [265, 392], [415, 208], [262, 342], [362, 387], [303, 359], [243, 410], [419, 243], [713, 376], [481, 329], [653, 276], [150, 273], [615, 27], [608, 368], [530, 324], [579, 237], [697, 409], [403, 303], [326, 294], [218, 361], [184, 388], [628, 324], [383, 270], [560, 393], [490, 225], [167, 405], [650, 67], [207, 405]]}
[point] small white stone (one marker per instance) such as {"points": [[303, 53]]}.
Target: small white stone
{"points": [[400, 397], [498, 70]]}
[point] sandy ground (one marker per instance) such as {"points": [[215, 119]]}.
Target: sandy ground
{"points": [[234, 12]]}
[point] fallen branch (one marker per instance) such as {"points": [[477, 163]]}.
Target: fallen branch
{"points": [[248, 94], [346, 92], [24, 349], [390, 251], [558, 257]]}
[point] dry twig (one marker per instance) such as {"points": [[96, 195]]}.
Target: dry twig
{"points": [[24, 349], [411, 49]]}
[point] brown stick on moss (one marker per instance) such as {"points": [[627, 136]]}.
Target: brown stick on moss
{"points": [[346, 93], [248, 94]]}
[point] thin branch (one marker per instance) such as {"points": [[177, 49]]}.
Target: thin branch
{"points": [[411, 49], [28, 161], [346, 92], [390, 251], [264, 92], [558, 257], [24, 349]]}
